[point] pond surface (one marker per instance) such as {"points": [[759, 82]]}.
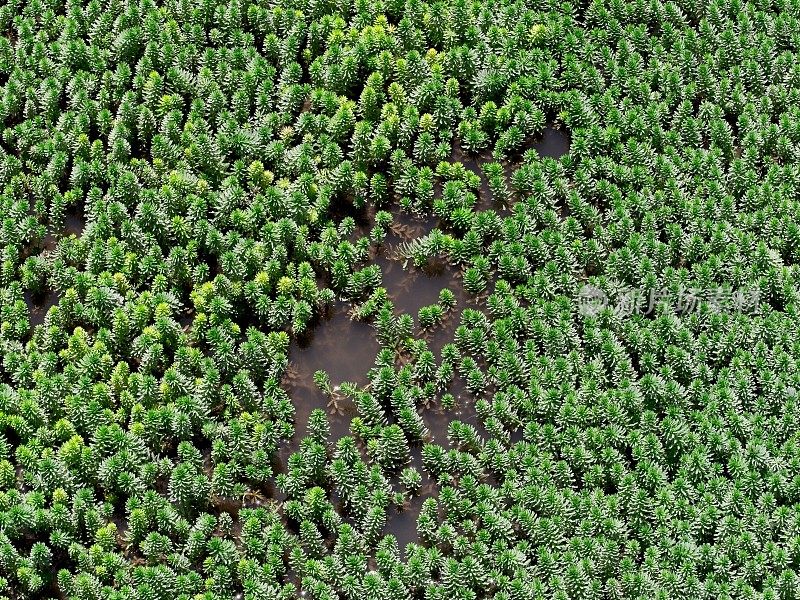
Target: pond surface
{"points": [[553, 143], [411, 288], [402, 522], [74, 223], [346, 348], [342, 347], [39, 304]]}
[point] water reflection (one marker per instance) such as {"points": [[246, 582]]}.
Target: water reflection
{"points": [[411, 288], [342, 347]]}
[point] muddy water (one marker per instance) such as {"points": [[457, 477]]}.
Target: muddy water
{"points": [[437, 418], [74, 223], [74, 219], [553, 143], [485, 199], [443, 334], [39, 304], [402, 523], [342, 347], [411, 288], [346, 349], [407, 226]]}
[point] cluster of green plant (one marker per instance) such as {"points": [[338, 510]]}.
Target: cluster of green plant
{"points": [[180, 184]]}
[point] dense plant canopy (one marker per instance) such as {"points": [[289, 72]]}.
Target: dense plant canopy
{"points": [[604, 404]]}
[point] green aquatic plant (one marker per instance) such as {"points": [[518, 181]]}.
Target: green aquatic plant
{"points": [[189, 189]]}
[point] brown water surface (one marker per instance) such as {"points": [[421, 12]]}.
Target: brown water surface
{"points": [[346, 348], [553, 143], [39, 304]]}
